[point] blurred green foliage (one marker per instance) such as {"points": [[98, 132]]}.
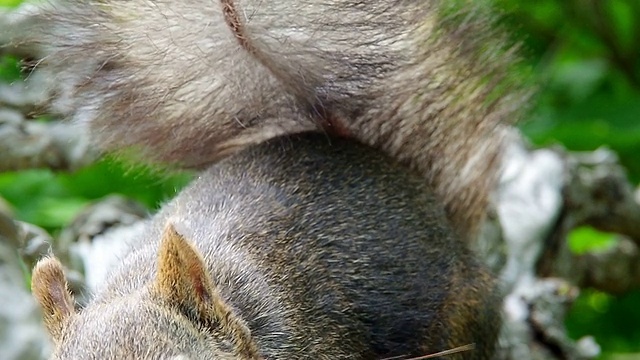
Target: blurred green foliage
{"points": [[51, 200], [586, 59], [10, 3], [10, 68], [612, 320], [585, 56], [586, 239]]}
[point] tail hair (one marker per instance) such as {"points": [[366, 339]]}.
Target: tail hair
{"points": [[188, 82]]}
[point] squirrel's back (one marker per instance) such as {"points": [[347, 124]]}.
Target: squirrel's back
{"points": [[313, 247]]}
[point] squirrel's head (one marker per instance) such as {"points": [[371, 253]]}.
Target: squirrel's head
{"points": [[179, 315]]}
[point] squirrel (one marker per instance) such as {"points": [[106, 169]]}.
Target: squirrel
{"points": [[295, 248], [330, 134]]}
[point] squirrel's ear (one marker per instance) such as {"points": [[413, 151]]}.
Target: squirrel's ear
{"points": [[182, 276], [49, 287], [184, 280]]}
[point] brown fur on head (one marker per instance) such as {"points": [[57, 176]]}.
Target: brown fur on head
{"points": [[182, 286], [183, 281]]}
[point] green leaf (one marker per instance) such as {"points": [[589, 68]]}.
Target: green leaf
{"points": [[9, 68], [586, 239], [10, 3]]}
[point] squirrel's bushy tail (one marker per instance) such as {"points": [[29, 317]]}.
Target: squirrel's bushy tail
{"points": [[189, 81]]}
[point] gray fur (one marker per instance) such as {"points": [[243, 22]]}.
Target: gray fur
{"points": [[425, 81], [325, 249]]}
